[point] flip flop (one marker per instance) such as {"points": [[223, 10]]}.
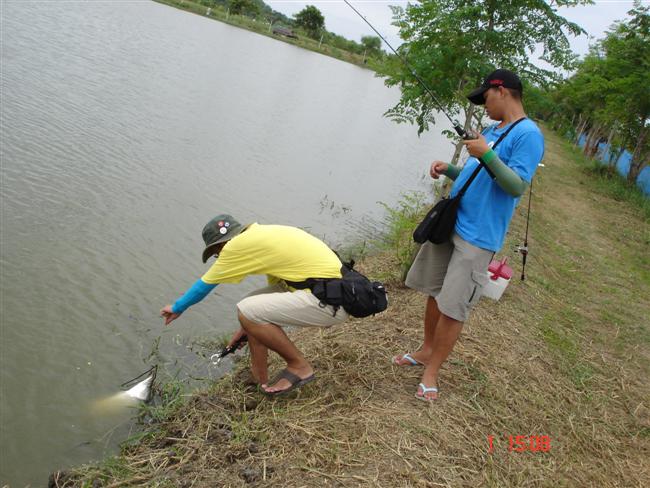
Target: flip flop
{"points": [[409, 358], [294, 380], [425, 390]]}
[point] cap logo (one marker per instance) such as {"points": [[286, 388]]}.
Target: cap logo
{"points": [[223, 230], [496, 82]]}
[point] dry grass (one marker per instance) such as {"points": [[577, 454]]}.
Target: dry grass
{"points": [[564, 354]]}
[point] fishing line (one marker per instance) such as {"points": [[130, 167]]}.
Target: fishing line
{"points": [[153, 370], [459, 130]]}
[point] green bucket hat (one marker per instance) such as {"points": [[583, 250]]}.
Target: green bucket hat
{"points": [[220, 229]]}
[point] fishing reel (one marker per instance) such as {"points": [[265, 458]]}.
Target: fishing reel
{"points": [[523, 250], [465, 135]]}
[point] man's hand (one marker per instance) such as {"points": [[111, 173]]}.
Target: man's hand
{"points": [[236, 336], [477, 147], [438, 168], [168, 315]]}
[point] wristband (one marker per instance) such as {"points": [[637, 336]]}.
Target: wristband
{"points": [[452, 171], [488, 156]]}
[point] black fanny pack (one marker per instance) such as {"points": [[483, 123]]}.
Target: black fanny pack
{"points": [[358, 296]]}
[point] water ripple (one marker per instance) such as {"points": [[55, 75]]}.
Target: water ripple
{"points": [[125, 127]]}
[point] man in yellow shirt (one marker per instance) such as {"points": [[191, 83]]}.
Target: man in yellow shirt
{"points": [[284, 254]]}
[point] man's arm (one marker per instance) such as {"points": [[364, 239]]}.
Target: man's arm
{"points": [[506, 178], [197, 292], [452, 172], [441, 168]]}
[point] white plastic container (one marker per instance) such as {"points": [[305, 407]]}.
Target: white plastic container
{"points": [[495, 288], [499, 275]]}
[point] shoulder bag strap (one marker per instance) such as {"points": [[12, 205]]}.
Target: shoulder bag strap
{"points": [[482, 164]]}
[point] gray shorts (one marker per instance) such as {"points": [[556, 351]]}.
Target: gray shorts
{"points": [[454, 273], [276, 304]]}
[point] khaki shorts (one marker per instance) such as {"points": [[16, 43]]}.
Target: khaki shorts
{"points": [[277, 305], [454, 273]]}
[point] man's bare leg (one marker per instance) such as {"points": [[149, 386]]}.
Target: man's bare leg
{"points": [[274, 338], [431, 316], [259, 360], [447, 332]]}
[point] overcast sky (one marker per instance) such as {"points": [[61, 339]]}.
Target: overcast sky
{"points": [[340, 19]]}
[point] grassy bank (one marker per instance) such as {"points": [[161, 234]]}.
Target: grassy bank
{"points": [[565, 353], [264, 28]]}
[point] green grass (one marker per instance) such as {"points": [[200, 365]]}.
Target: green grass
{"points": [[606, 180], [168, 398], [114, 467], [245, 429], [401, 220], [560, 341]]}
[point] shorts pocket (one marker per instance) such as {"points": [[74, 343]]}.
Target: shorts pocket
{"points": [[479, 280]]}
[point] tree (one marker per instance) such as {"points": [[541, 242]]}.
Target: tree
{"points": [[244, 7], [539, 104], [311, 19], [627, 64], [585, 94], [371, 44], [454, 44], [608, 96]]}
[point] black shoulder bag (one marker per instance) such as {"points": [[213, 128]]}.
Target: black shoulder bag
{"points": [[439, 223]]}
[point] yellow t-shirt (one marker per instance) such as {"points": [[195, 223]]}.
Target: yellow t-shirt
{"points": [[278, 251]]}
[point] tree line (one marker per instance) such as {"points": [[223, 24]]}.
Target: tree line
{"points": [[454, 44], [309, 20], [607, 98]]}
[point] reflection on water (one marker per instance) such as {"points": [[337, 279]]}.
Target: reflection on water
{"points": [[125, 127], [114, 404], [138, 390]]}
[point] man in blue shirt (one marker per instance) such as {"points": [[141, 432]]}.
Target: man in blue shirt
{"points": [[453, 274]]}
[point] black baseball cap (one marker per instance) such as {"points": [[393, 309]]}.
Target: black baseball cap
{"points": [[500, 77]]}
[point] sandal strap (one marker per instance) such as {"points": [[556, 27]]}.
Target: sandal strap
{"points": [[285, 374], [410, 359], [427, 389]]}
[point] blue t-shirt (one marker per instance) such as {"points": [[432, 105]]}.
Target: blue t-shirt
{"points": [[485, 210]]}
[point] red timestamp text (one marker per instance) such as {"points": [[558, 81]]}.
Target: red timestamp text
{"points": [[523, 443]]}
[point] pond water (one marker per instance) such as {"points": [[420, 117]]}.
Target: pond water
{"points": [[126, 126]]}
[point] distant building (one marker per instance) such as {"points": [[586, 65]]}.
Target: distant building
{"points": [[284, 31]]}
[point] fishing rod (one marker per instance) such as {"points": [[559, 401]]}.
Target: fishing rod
{"points": [[217, 357], [459, 130], [523, 250]]}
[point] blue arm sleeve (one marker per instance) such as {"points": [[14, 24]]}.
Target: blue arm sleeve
{"points": [[197, 292]]}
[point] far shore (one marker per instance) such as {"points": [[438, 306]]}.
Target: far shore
{"points": [[266, 29]]}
